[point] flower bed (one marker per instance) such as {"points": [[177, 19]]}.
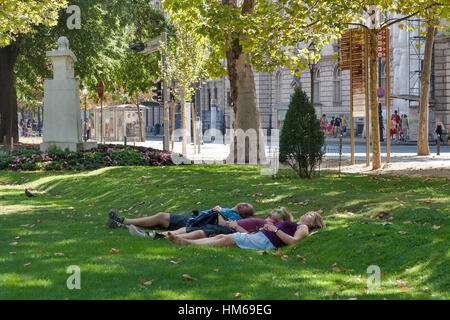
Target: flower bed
{"points": [[102, 156]]}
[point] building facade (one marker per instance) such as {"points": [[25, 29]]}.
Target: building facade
{"points": [[332, 86]]}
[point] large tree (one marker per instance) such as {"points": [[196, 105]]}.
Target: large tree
{"points": [[432, 23], [101, 46], [258, 35], [17, 21]]}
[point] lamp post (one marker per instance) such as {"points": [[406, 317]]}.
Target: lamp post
{"points": [[312, 67], [85, 93]]}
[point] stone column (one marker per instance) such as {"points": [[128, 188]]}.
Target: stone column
{"points": [[62, 116]]}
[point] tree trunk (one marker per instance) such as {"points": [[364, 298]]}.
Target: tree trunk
{"points": [[376, 157], [422, 137], [183, 124], [243, 93], [141, 135], [8, 95]]}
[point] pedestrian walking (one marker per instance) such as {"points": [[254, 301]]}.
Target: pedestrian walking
{"points": [[343, 125], [438, 130], [395, 123], [323, 124], [405, 127], [337, 126]]}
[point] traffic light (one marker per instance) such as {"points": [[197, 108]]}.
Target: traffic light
{"points": [[157, 91], [137, 47]]}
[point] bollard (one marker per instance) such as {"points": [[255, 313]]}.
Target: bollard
{"points": [[12, 144], [438, 145], [125, 141]]}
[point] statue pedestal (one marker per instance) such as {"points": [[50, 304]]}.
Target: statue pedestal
{"points": [[72, 146], [62, 116]]}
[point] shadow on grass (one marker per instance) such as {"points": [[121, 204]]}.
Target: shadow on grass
{"points": [[70, 218]]}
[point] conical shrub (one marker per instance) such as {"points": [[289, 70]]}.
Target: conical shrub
{"points": [[301, 138]]}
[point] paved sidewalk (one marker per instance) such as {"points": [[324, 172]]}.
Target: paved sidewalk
{"points": [[404, 160]]}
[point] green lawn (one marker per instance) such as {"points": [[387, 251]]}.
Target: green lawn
{"points": [[68, 216]]}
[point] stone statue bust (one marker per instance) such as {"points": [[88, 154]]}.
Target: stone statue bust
{"points": [[63, 44]]}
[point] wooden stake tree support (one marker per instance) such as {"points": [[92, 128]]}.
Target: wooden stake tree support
{"points": [[383, 52], [354, 56], [351, 57]]}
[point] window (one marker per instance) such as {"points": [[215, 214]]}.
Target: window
{"points": [[337, 85], [278, 88], [382, 75], [317, 87]]}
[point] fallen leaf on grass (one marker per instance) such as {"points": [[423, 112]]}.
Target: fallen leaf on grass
{"points": [[15, 243], [27, 264], [385, 223], [402, 232], [176, 262], [59, 254], [148, 283], [238, 295], [382, 214], [262, 252], [12, 253], [278, 253], [302, 203], [113, 250], [436, 227], [216, 270], [188, 277], [300, 257]]}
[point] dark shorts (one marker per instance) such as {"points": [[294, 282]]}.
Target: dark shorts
{"points": [[211, 230], [177, 221]]}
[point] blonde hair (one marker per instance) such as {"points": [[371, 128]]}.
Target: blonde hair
{"points": [[317, 222]]}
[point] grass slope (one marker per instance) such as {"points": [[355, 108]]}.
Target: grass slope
{"points": [[68, 216]]}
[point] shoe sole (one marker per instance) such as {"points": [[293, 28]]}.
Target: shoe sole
{"points": [[135, 232], [112, 224]]}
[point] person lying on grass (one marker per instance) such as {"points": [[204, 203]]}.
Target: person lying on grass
{"points": [[269, 237], [247, 225], [174, 222]]}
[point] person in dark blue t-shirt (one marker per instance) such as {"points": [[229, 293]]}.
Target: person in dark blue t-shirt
{"points": [[172, 221]]}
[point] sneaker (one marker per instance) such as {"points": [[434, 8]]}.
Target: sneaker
{"points": [[115, 216], [113, 224], [157, 235], [137, 232]]}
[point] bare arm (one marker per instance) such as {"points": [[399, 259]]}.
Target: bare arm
{"points": [[300, 233], [221, 221], [236, 227]]}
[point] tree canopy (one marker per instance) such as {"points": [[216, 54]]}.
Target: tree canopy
{"points": [[19, 17]]}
